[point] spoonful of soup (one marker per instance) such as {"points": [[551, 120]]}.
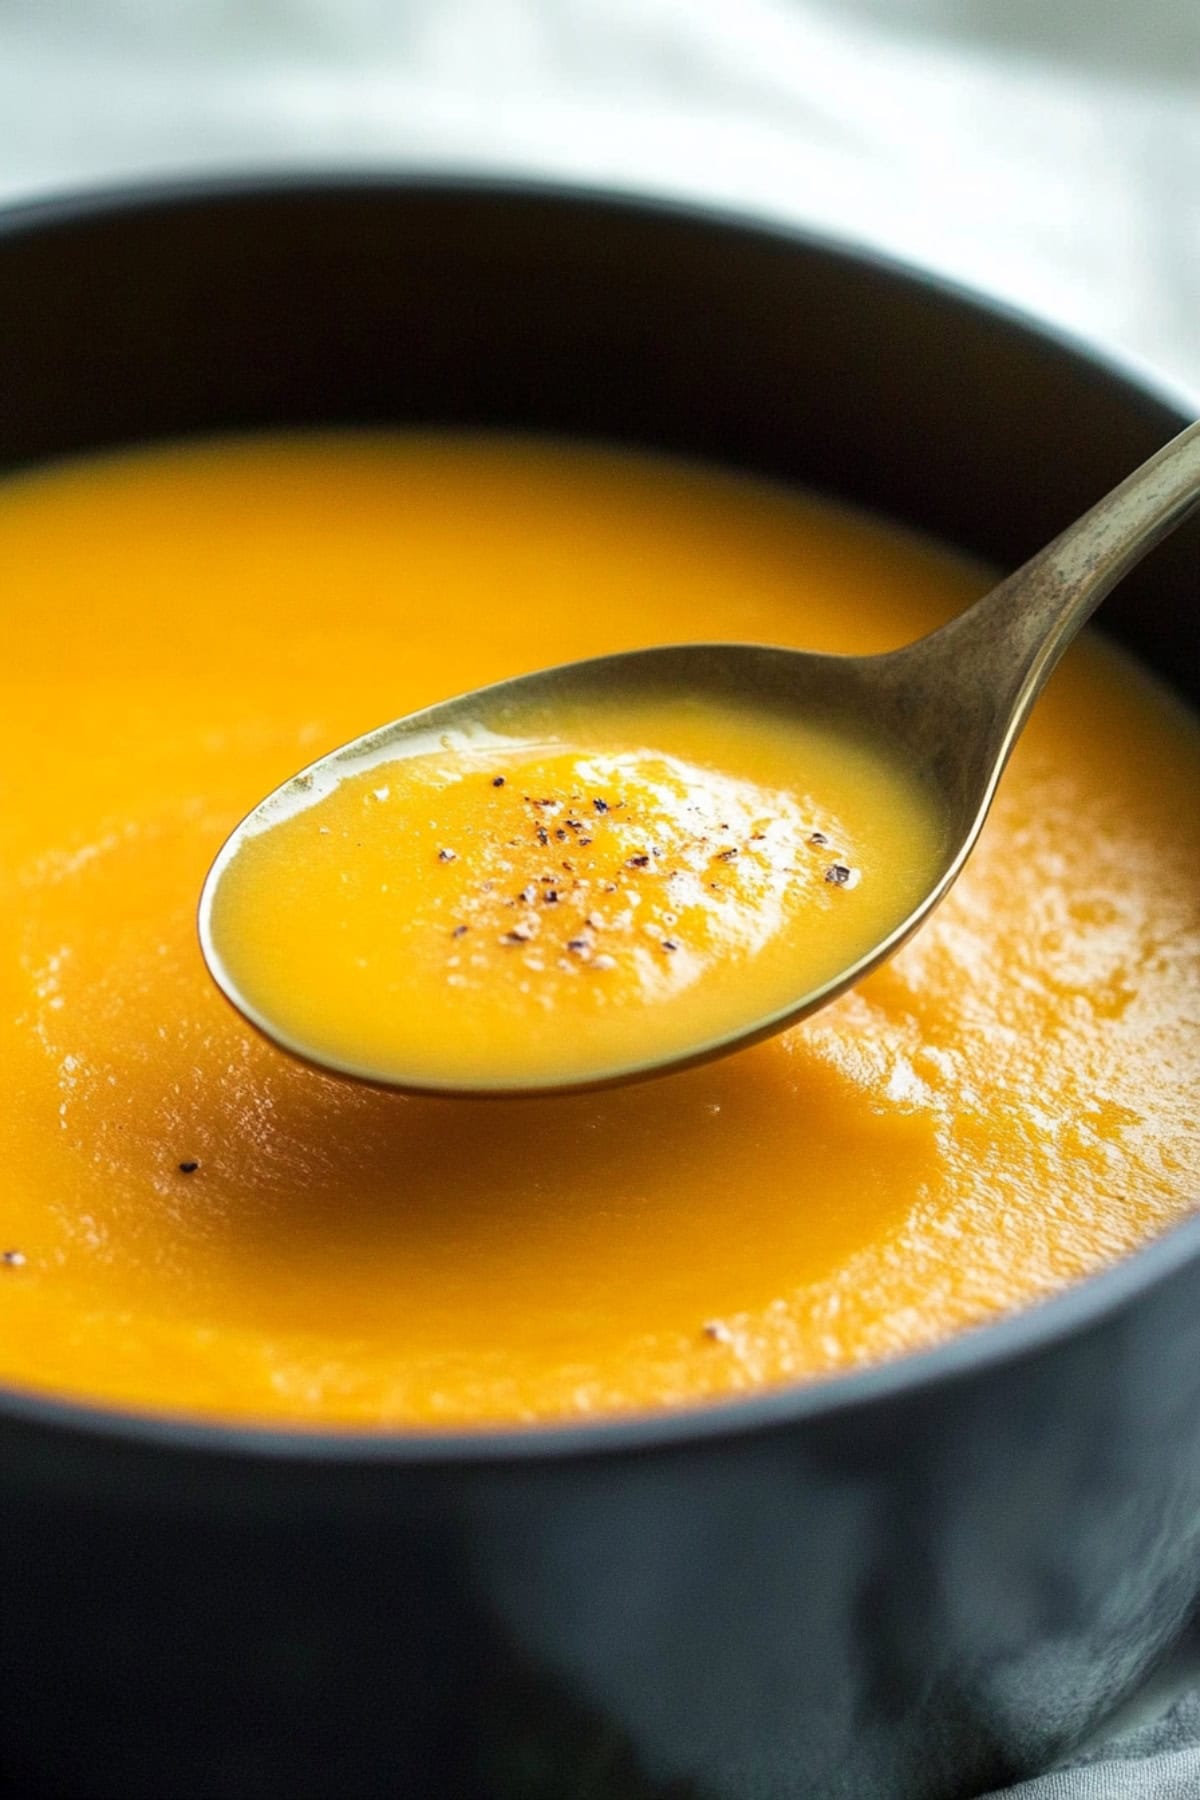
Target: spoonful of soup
{"points": [[612, 869]]}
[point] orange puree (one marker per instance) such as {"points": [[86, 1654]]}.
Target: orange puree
{"points": [[197, 1222], [574, 897]]}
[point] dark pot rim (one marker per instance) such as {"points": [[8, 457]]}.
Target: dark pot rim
{"points": [[1010, 1338]]}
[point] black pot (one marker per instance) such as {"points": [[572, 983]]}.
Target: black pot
{"points": [[907, 1584]]}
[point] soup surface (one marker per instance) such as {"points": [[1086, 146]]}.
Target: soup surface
{"points": [[566, 897], [190, 1220]]}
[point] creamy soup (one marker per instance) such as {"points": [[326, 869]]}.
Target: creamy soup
{"points": [[190, 1220], [624, 881]]}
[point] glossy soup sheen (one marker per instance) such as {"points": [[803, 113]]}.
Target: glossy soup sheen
{"points": [[192, 1221]]}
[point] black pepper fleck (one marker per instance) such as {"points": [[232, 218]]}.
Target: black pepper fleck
{"points": [[669, 944], [839, 875], [13, 1259], [459, 931], [497, 781], [600, 805], [447, 855], [188, 1168], [818, 838], [636, 862], [518, 935]]}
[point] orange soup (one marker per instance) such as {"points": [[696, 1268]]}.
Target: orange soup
{"points": [[570, 897], [192, 1221]]}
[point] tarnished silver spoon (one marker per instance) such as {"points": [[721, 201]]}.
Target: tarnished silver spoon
{"points": [[949, 707]]}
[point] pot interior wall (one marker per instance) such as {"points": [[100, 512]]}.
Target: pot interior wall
{"points": [[369, 302]]}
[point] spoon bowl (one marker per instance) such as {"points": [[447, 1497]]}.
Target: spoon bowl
{"points": [[948, 708]]}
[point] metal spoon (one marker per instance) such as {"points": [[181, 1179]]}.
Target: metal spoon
{"points": [[950, 706]]}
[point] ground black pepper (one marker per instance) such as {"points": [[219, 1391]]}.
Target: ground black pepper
{"points": [[840, 875], [188, 1168]]}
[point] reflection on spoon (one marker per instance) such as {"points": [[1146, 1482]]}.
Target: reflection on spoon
{"points": [[612, 869]]}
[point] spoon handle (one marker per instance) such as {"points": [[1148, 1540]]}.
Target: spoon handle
{"points": [[1014, 636]]}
